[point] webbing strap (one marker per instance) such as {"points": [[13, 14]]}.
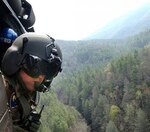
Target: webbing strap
{"points": [[6, 122]]}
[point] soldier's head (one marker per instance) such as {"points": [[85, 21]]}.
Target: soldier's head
{"points": [[36, 58], [7, 36]]}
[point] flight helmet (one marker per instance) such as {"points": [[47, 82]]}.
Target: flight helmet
{"points": [[36, 54]]}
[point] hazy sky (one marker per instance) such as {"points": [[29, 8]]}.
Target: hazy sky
{"points": [[76, 19]]}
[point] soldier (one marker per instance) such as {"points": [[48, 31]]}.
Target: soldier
{"points": [[29, 67]]}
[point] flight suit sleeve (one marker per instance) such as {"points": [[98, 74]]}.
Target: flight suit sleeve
{"points": [[18, 129]]}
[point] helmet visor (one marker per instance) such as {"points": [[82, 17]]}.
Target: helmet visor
{"points": [[35, 66], [50, 70]]}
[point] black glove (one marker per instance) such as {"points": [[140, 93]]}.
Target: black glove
{"points": [[33, 122], [34, 127]]}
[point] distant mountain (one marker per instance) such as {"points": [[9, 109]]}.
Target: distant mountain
{"points": [[127, 25]]}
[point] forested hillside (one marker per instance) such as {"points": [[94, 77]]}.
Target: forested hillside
{"points": [[118, 93], [57, 117], [98, 52], [107, 81]]}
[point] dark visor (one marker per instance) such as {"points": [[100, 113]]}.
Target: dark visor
{"points": [[35, 66], [49, 69]]}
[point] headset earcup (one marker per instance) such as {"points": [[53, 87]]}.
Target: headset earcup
{"points": [[9, 66]]}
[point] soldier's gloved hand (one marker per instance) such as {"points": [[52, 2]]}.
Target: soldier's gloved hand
{"points": [[34, 127], [33, 122]]}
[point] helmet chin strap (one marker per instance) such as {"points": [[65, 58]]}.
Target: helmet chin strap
{"points": [[40, 87]]}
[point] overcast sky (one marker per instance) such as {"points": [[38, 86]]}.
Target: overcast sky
{"points": [[76, 19]]}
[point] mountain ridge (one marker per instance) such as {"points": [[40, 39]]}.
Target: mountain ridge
{"points": [[127, 25]]}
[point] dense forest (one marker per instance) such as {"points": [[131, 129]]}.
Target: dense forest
{"points": [[104, 87]]}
